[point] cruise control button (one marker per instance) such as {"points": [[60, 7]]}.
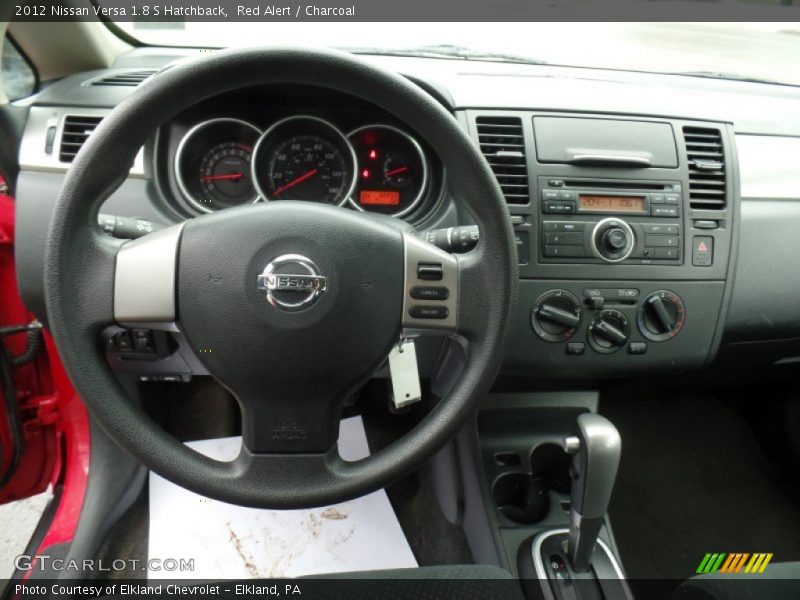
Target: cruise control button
{"points": [[426, 292], [430, 271], [429, 312]]}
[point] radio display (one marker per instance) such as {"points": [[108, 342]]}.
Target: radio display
{"points": [[611, 203]]}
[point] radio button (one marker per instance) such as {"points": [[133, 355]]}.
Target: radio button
{"points": [[564, 252], [550, 195], [668, 253], [672, 199], [662, 240], [662, 229], [564, 225], [555, 182], [569, 196], [656, 198], [574, 238], [664, 210], [564, 208]]}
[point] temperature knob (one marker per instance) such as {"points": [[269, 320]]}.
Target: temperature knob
{"points": [[555, 315], [609, 331], [661, 316]]}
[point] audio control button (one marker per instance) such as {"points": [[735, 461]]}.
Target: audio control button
{"points": [[657, 241], [574, 238], [612, 240], [664, 210], [564, 252]]}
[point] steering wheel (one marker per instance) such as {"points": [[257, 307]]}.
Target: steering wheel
{"points": [[290, 305]]}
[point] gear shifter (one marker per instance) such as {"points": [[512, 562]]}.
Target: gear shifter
{"points": [[596, 452]]}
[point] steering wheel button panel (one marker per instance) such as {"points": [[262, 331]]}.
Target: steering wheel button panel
{"points": [[425, 262]]}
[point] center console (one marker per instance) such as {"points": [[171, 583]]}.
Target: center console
{"points": [[625, 230]]}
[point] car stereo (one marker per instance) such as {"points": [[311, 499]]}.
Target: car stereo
{"points": [[610, 221]]}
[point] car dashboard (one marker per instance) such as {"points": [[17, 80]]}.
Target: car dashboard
{"points": [[655, 215]]}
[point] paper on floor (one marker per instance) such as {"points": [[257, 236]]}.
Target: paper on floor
{"points": [[231, 542]]}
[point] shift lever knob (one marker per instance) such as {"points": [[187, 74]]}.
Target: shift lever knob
{"points": [[596, 452]]}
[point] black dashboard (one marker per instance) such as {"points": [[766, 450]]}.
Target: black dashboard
{"points": [[655, 216]]}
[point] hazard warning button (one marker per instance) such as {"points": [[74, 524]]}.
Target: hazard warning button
{"points": [[702, 251]]}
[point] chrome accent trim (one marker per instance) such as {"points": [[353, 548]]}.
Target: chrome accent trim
{"points": [[423, 157], [176, 165], [541, 573], [416, 251], [145, 281], [617, 223], [32, 155], [312, 288], [282, 122], [768, 166]]}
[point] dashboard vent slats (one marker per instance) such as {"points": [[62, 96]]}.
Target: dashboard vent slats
{"points": [[705, 155], [125, 78], [503, 144], [77, 130]]}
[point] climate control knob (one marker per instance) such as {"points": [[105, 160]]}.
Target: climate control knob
{"points": [[661, 316], [612, 240], [556, 315], [609, 331]]}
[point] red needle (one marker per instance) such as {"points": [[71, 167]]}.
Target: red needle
{"points": [[220, 177], [396, 171], [294, 182]]}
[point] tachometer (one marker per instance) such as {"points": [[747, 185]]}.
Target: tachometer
{"points": [[393, 170], [212, 164], [304, 158]]}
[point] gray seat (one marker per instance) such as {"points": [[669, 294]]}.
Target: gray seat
{"points": [[780, 581]]}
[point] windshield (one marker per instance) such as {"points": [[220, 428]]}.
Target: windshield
{"points": [[759, 51]]}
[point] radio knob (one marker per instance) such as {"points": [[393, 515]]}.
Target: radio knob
{"points": [[615, 239], [609, 331], [661, 316], [612, 240], [556, 315]]}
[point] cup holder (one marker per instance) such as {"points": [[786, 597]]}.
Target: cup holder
{"points": [[524, 497]]}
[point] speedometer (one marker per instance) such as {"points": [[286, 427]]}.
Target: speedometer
{"points": [[304, 158]]}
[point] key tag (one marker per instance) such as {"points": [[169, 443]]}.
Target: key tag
{"points": [[404, 373]]}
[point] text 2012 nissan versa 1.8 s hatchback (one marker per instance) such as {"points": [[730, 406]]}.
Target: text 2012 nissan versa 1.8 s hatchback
{"points": [[474, 316]]}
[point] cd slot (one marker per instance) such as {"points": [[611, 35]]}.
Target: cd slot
{"points": [[616, 185]]}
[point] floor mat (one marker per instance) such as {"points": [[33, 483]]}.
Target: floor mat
{"points": [[232, 542], [693, 480]]}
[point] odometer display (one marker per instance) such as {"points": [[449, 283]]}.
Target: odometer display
{"points": [[304, 158], [379, 197]]}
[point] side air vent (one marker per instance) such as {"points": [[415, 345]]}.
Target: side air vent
{"points": [[125, 78], [706, 157], [503, 145], [76, 131]]}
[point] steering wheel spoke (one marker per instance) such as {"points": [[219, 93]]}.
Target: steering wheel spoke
{"points": [[144, 281], [431, 288]]}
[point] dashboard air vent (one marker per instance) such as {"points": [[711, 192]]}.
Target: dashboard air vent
{"points": [[706, 157], [125, 78], [503, 144], [76, 131]]}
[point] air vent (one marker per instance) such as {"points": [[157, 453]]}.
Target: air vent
{"points": [[125, 78], [503, 145], [76, 131], [706, 157]]}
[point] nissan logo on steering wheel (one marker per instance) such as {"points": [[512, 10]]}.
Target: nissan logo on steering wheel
{"points": [[291, 282]]}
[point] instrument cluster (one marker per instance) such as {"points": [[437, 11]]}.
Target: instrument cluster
{"points": [[224, 162]]}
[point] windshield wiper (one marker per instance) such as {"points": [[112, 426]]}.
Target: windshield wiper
{"points": [[731, 76], [448, 51]]}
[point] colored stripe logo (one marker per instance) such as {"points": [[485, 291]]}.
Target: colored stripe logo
{"points": [[734, 562]]}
